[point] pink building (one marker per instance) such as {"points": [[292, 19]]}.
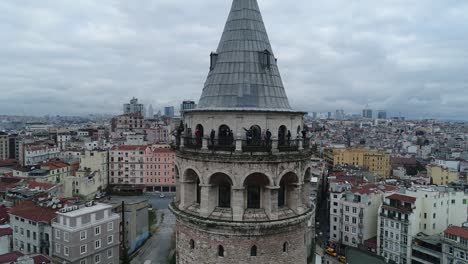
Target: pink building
{"points": [[159, 171], [158, 134]]}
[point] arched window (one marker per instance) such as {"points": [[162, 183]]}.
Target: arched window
{"points": [[220, 251], [253, 251], [225, 136], [254, 184], [285, 247], [256, 135], [287, 186], [198, 191], [223, 183], [192, 244], [199, 132]]}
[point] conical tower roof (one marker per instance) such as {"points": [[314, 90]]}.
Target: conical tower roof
{"points": [[243, 72]]}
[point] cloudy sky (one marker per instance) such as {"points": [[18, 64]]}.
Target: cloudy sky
{"points": [[80, 57]]}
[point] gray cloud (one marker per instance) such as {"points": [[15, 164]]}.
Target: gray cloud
{"points": [[79, 57]]}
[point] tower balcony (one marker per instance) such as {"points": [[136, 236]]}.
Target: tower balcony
{"points": [[243, 147]]}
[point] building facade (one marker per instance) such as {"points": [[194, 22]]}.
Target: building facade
{"points": [[375, 161], [133, 107], [159, 170], [427, 210], [455, 245], [126, 165], [441, 175], [241, 196], [87, 234], [32, 230], [4, 146], [355, 219], [34, 154]]}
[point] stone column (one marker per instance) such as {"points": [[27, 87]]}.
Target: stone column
{"points": [[182, 142], [274, 144], [207, 200], [237, 203], [296, 199], [239, 144], [188, 194], [273, 203], [300, 143], [266, 200], [205, 143]]}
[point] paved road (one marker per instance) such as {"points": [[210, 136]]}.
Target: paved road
{"points": [[158, 246]]}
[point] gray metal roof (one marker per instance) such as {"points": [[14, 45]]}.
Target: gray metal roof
{"points": [[239, 79]]}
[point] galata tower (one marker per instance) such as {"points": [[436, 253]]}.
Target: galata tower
{"points": [[243, 158]]}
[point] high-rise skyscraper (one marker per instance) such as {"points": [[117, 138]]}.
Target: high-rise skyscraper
{"points": [[367, 113], [382, 114], [134, 107], [232, 206], [169, 111], [150, 111]]}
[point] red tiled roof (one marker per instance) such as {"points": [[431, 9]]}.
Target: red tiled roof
{"points": [[30, 210], [457, 231], [10, 257], [8, 162], [55, 164], [4, 216], [129, 147], [39, 259], [35, 184], [6, 231], [8, 182], [372, 187], [403, 198]]}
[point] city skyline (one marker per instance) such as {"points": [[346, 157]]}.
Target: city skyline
{"points": [[74, 58]]}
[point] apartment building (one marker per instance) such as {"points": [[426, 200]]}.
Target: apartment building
{"points": [[31, 225], [428, 210], [356, 220], [52, 171], [34, 154], [375, 161], [4, 146], [455, 245], [126, 165], [86, 234], [441, 175], [159, 169]]}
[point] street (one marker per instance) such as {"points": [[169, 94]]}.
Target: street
{"points": [[158, 246]]}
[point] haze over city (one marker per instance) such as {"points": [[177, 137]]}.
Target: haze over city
{"points": [[82, 57]]}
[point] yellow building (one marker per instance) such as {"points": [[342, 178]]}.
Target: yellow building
{"points": [[441, 175], [377, 162]]}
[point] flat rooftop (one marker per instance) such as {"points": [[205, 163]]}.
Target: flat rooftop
{"points": [[86, 210]]}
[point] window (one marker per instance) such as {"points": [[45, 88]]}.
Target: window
{"points": [[110, 253], [110, 226], [57, 248], [347, 218], [253, 251], [192, 244], [354, 210], [285, 247], [66, 251], [66, 236], [83, 249], [110, 239], [97, 230], [220, 251], [354, 220], [434, 215], [346, 239], [97, 258], [97, 244], [83, 235]]}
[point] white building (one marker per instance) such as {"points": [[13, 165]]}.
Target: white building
{"points": [[451, 164], [455, 245], [429, 210], [356, 220], [34, 154], [5, 239]]}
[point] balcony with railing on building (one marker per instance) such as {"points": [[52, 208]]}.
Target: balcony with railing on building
{"points": [[398, 206], [227, 143]]}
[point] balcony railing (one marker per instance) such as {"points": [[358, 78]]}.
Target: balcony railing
{"points": [[222, 144], [193, 143], [288, 145], [256, 145]]}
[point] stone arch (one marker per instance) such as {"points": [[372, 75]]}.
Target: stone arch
{"points": [[256, 191], [266, 174], [287, 191], [253, 251], [221, 184], [191, 187], [256, 134], [199, 133], [282, 131], [190, 170], [223, 135]]}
